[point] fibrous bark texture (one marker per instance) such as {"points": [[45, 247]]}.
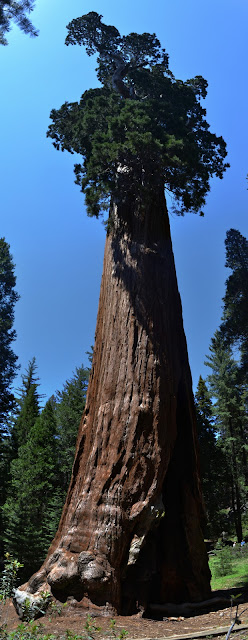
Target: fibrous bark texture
{"points": [[130, 531]]}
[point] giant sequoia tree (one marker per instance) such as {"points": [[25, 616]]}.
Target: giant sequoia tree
{"points": [[130, 532]]}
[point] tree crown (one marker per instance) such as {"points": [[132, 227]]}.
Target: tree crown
{"points": [[8, 299], [142, 128], [234, 326]]}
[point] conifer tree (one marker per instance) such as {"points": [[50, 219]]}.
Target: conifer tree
{"points": [[8, 299], [8, 365], [70, 403], [215, 473], [68, 407], [16, 11], [230, 418], [40, 473], [29, 511], [142, 128], [29, 406], [138, 133], [234, 326], [13, 510]]}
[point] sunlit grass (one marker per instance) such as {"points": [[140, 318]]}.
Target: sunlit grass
{"points": [[237, 575]]}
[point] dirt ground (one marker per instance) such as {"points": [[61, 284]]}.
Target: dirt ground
{"points": [[74, 619]]}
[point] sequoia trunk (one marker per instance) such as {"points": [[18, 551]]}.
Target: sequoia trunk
{"points": [[130, 531]]}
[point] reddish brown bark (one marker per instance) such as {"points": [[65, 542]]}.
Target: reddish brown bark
{"points": [[130, 531]]}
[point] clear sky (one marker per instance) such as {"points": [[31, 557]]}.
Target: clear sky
{"points": [[57, 250]]}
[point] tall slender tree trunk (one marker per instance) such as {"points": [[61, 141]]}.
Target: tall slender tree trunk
{"points": [[130, 531], [236, 502]]}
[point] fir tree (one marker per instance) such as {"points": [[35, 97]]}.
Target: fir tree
{"points": [[29, 509], [69, 406], [234, 325], [29, 406], [8, 299], [230, 419], [40, 473], [29, 409], [8, 366], [214, 471]]}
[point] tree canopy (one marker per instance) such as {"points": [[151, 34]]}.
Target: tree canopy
{"points": [[142, 128], [10, 10], [36, 462], [230, 409], [234, 325], [8, 299], [215, 474]]}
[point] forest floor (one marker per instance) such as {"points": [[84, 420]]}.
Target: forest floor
{"points": [[74, 619]]}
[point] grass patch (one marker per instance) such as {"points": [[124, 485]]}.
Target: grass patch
{"points": [[229, 568]]}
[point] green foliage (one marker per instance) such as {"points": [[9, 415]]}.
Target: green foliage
{"points": [[234, 325], [213, 466], [142, 128], [29, 406], [31, 493], [55, 609], [222, 410], [30, 631], [237, 578], [33, 631], [9, 577], [90, 628], [115, 633], [8, 299], [69, 406], [31, 610], [223, 563], [8, 366], [123, 634], [90, 631], [19, 507], [230, 421], [15, 11], [42, 445]]}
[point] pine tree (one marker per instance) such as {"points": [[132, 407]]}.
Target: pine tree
{"points": [[8, 366], [8, 299], [234, 326], [40, 473], [16, 11], [70, 403], [29, 510], [215, 475], [29, 409], [230, 419], [68, 406], [29, 406]]}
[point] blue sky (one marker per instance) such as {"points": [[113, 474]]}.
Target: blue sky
{"points": [[57, 250]]}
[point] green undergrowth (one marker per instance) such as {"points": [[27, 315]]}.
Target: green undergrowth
{"points": [[35, 631], [229, 568]]}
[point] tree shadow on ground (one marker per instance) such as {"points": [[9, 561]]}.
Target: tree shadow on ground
{"points": [[220, 599]]}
